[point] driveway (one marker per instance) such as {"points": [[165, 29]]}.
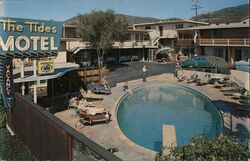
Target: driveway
{"points": [[133, 70]]}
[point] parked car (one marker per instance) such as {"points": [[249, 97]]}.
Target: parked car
{"points": [[196, 62], [111, 60], [135, 58], [124, 58], [243, 65]]}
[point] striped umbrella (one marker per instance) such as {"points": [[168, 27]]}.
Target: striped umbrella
{"points": [[218, 63]]}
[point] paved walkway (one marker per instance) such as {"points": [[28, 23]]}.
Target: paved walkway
{"points": [[131, 152]]}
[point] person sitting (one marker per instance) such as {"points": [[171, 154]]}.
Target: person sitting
{"points": [[181, 78], [125, 86], [127, 89], [105, 84]]}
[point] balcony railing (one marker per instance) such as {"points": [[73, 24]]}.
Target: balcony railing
{"points": [[185, 42], [224, 42]]}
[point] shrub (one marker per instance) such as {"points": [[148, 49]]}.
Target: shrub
{"points": [[3, 117], [11, 148], [202, 148]]}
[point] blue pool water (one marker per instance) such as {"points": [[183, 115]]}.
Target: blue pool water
{"points": [[141, 115]]}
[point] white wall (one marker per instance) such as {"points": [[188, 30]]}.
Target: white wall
{"points": [[61, 57]]}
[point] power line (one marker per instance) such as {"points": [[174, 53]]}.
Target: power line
{"points": [[196, 6]]}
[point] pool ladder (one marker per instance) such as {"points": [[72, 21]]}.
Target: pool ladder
{"points": [[206, 128]]}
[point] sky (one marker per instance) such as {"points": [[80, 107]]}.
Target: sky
{"points": [[61, 10]]}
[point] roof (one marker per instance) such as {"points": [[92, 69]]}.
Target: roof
{"points": [[170, 22], [60, 70], [135, 30], [217, 26]]}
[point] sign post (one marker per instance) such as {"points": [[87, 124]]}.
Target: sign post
{"points": [[25, 38]]}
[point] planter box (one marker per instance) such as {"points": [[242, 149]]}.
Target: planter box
{"points": [[104, 71]]}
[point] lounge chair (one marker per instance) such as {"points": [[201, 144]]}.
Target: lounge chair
{"points": [[224, 80], [181, 78], [73, 102], [192, 79], [244, 110], [203, 81], [240, 90], [109, 147], [99, 117], [98, 89], [89, 95], [241, 94]]}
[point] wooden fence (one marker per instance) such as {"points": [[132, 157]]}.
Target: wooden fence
{"points": [[47, 137]]}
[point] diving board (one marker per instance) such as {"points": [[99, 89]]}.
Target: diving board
{"points": [[168, 138]]}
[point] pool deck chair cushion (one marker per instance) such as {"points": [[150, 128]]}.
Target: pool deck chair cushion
{"points": [[89, 95], [98, 89]]}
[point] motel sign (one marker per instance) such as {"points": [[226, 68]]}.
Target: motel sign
{"points": [[24, 38]]}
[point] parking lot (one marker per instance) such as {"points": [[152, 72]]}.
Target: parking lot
{"points": [[133, 70]]}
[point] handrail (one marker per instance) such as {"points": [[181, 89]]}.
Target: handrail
{"points": [[209, 126], [224, 41]]}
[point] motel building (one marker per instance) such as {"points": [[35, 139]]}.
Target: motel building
{"points": [[228, 40], [164, 33], [143, 42], [137, 46]]}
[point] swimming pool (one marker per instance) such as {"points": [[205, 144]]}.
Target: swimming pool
{"points": [[140, 116]]}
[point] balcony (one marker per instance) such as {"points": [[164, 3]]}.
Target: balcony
{"points": [[224, 42], [185, 42], [132, 44]]}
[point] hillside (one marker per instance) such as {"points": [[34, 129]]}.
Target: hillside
{"points": [[226, 14], [131, 19], [230, 14]]}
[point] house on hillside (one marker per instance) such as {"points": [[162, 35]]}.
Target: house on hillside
{"points": [[229, 41]]}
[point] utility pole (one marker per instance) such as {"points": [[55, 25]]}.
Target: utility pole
{"points": [[196, 7]]}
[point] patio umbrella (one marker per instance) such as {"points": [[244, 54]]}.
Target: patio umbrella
{"points": [[218, 63], [166, 50]]}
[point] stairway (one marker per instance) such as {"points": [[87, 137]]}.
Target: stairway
{"points": [[155, 41]]}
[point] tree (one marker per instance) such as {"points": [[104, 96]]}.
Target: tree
{"points": [[201, 147], [101, 29]]}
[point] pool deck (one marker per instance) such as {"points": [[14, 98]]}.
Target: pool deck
{"points": [[129, 151]]}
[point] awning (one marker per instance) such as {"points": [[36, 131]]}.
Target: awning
{"points": [[60, 70]]}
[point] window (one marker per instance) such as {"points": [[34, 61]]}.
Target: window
{"points": [[217, 33], [128, 37], [246, 54], [238, 54], [137, 37], [219, 52], [141, 37], [161, 30], [148, 28], [178, 26], [146, 37]]}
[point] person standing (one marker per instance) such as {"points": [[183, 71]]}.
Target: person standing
{"points": [[144, 71], [177, 68], [105, 83]]}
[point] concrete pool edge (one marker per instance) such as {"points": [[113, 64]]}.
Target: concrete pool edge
{"points": [[120, 134], [132, 144]]}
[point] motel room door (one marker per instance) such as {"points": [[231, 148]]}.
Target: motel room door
{"points": [[151, 55]]}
